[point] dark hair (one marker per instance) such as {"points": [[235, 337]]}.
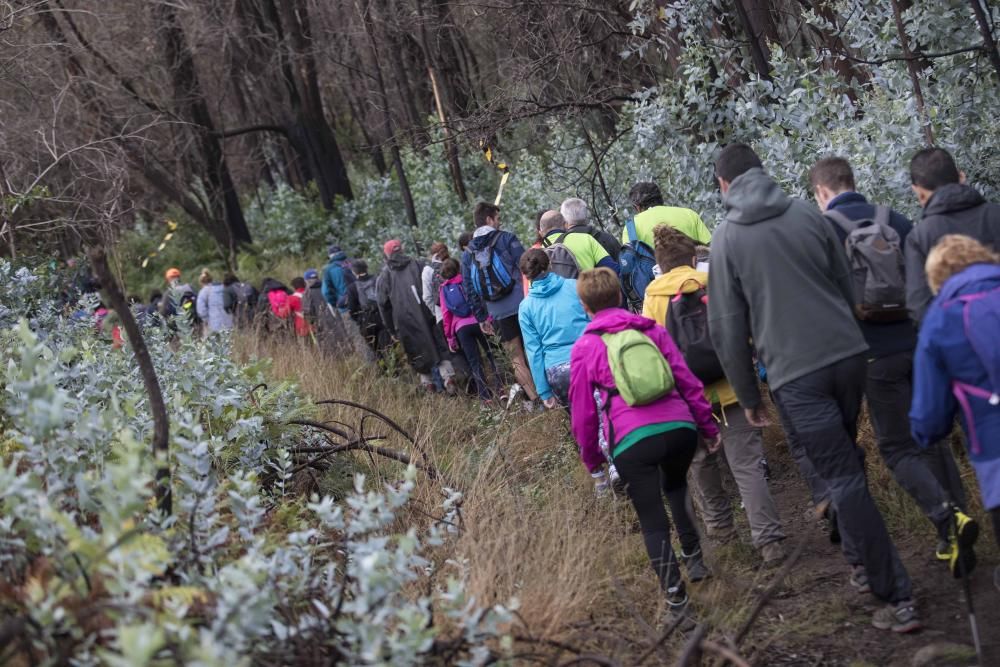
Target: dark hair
{"points": [[298, 282], [932, 168], [438, 248], [673, 248], [735, 160], [154, 295], [230, 279], [449, 268], [463, 240], [484, 210], [533, 263], [359, 266], [645, 194], [834, 173]]}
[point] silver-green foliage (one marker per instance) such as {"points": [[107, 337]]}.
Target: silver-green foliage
{"points": [[103, 578]]}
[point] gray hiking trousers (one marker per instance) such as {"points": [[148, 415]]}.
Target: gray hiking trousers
{"points": [[819, 412], [742, 445]]}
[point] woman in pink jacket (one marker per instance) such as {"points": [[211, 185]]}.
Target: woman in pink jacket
{"points": [[651, 445], [461, 327]]}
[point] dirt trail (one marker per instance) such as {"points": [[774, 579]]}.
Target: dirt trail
{"points": [[817, 618]]}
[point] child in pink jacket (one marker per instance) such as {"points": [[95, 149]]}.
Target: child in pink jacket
{"points": [[461, 328], [651, 445]]}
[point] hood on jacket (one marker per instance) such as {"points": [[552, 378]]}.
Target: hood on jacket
{"points": [[974, 278], [613, 320], [546, 285], [457, 278], [685, 279], [952, 197], [270, 284], [338, 256], [481, 237], [754, 196], [398, 261]]}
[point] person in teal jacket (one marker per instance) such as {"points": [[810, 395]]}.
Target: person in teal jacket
{"points": [[334, 285], [551, 319]]}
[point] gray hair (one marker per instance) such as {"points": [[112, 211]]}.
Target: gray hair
{"points": [[574, 210], [551, 220]]}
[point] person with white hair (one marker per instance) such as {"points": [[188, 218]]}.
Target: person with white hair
{"points": [[577, 215]]}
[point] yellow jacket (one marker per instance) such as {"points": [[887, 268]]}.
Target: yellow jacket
{"points": [[658, 295]]}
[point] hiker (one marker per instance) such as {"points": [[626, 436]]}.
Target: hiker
{"points": [[461, 327], [552, 320], [431, 280], [584, 252], [494, 287], [647, 201], [957, 364], [273, 309], [326, 323], [676, 300], [211, 305], [296, 310], [780, 279], [653, 411], [576, 213], [152, 317], [407, 318], [178, 298], [362, 304], [929, 476], [242, 299], [949, 207], [334, 280]]}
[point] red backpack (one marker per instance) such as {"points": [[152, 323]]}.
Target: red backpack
{"points": [[279, 303]]}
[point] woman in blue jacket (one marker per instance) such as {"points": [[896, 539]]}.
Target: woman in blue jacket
{"points": [[957, 363], [551, 320]]}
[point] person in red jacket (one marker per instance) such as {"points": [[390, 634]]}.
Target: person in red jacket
{"points": [[302, 327]]}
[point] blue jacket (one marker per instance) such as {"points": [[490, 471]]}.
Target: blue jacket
{"points": [[944, 354], [510, 250], [334, 283], [883, 338], [551, 319]]}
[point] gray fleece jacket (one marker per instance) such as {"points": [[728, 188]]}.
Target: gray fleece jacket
{"points": [[779, 279]]}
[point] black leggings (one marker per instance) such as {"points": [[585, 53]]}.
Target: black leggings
{"points": [[650, 468]]}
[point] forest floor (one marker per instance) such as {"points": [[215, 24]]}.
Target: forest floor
{"points": [[534, 532]]}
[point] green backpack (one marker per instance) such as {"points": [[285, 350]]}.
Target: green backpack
{"points": [[642, 375]]}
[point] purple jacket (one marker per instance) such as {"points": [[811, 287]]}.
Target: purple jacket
{"points": [[589, 367]]}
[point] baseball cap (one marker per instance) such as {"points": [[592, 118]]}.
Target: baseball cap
{"points": [[311, 274], [391, 246], [172, 274]]}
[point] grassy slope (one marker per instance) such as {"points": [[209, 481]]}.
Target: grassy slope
{"points": [[534, 531]]}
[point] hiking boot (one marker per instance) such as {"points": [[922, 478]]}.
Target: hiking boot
{"points": [[617, 485], [900, 617], [678, 611], [773, 554], [859, 579], [449, 387], [515, 389], [961, 551], [943, 550], [695, 566]]}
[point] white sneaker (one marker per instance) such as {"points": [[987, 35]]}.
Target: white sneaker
{"points": [[515, 389]]}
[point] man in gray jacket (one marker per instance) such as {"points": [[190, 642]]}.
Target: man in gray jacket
{"points": [[780, 280]]}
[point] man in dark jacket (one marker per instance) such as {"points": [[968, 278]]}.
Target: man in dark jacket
{"points": [[331, 336], [406, 317], [950, 207], [489, 239], [780, 279], [362, 304], [930, 476]]}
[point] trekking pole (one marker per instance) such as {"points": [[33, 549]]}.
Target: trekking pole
{"points": [[972, 614]]}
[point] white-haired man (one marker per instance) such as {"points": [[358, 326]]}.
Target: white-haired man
{"points": [[555, 227], [577, 216]]}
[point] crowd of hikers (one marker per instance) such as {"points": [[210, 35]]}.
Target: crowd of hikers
{"points": [[662, 373]]}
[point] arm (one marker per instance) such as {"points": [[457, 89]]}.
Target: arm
{"points": [[515, 249], [427, 288], [729, 326], [447, 321], [702, 235], [918, 293], [339, 287], [840, 271], [688, 386], [583, 409], [353, 303], [328, 289], [609, 263], [533, 351], [932, 411]]}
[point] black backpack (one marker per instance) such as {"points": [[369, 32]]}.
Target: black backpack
{"points": [[687, 322]]}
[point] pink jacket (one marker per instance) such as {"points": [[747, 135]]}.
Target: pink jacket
{"points": [[589, 367], [450, 321]]}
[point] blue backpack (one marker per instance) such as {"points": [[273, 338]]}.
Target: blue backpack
{"points": [[454, 299], [981, 318], [490, 277], [636, 263]]}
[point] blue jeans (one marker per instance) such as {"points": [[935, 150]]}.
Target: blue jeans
{"points": [[470, 339]]}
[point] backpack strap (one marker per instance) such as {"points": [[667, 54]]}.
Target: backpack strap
{"points": [[841, 220], [562, 237], [633, 235], [680, 290], [882, 214]]}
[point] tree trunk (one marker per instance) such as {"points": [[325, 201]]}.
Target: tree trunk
{"points": [[914, 70], [986, 30], [756, 34]]}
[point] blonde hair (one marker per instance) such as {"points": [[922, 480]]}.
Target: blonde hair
{"points": [[954, 253], [205, 278], [599, 289]]}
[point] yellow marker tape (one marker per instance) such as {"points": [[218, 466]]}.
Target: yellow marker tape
{"points": [[172, 226], [503, 181], [501, 167]]}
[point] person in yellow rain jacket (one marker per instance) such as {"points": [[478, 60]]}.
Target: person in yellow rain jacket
{"points": [[742, 443]]}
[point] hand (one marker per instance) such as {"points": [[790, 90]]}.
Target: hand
{"points": [[713, 445], [757, 416], [551, 402], [486, 328]]}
